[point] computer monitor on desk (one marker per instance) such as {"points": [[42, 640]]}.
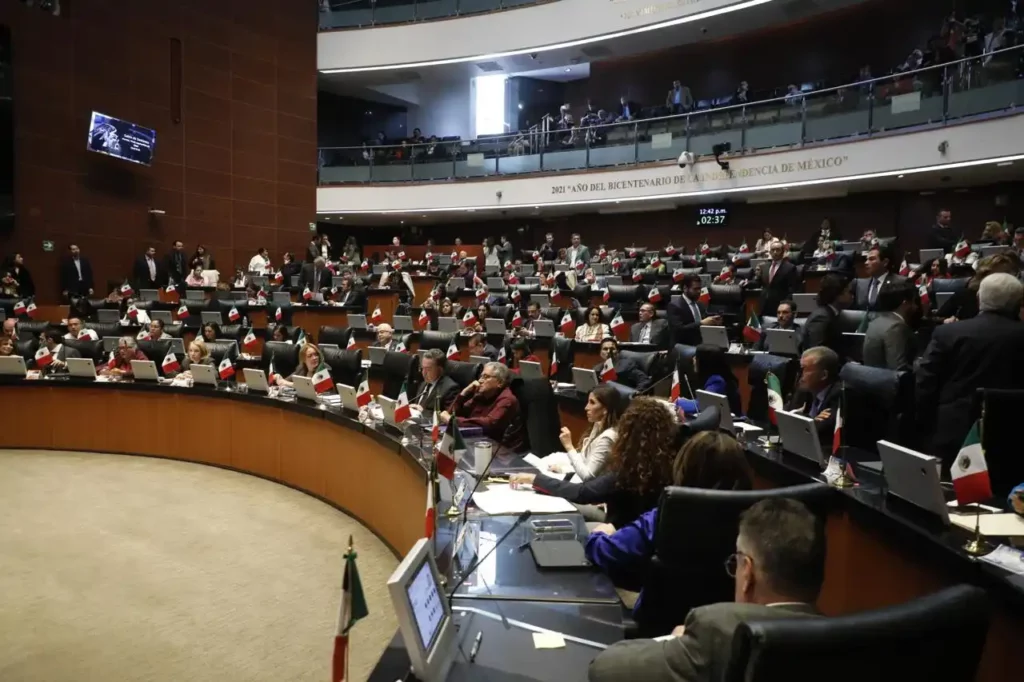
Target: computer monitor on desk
{"points": [[424, 615]]}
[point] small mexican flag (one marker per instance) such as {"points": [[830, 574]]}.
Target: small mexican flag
{"points": [[353, 608], [449, 450], [676, 389], [752, 332], [970, 472], [774, 397]]}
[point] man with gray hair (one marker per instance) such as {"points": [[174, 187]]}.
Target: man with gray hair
{"points": [[489, 404], [982, 352], [818, 392], [778, 567], [315, 276]]}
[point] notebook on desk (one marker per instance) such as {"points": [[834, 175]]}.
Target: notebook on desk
{"points": [[714, 336], [448, 325], [13, 365], [357, 321], [530, 370]]}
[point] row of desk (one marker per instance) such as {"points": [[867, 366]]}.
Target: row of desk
{"points": [[878, 553]]}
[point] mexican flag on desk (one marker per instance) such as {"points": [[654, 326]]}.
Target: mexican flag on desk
{"points": [[774, 397], [608, 372], [618, 324], [676, 388], [402, 410], [363, 396], [353, 608], [449, 450], [752, 332], [971, 482], [428, 517]]}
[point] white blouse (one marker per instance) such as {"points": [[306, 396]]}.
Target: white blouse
{"points": [[592, 457], [597, 332]]}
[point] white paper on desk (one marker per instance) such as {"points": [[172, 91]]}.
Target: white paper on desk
{"points": [[1009, 525], [1006, 557], [499, 498]]}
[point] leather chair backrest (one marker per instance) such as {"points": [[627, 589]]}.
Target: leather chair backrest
{"points": [[234, 332], [877, 404], [526, 290], [626, 295], [463, 373], [286, 313], [695, 534], [439, 340], [155, 351], [86, 348], [291, 332], [744, 272], [1003, 406], [284, 355], [397, 369], [782, 367], [849, 321], [27, 347], [175, 329], [501, 311], [562, 349], [646, 360], [582, 293], [346, 365], [706, 420], [554, 314], [726, 295], [143, 305], [337, 335], [539, 411], [222, 348], [105, 328], [936, 637], [666, 294], [949, 285], [32, 327]]}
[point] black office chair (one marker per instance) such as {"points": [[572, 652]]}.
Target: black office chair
{"points": [[539, 412], [104, 329], [27, 348], [744, 272], [705, 420], [397, 370], [345, 365], [725, 299], [760, 365], [339, 336], [942, 286], [86, 348], [562, 350], [874, 401], [463, 373], [285, 357], [625, 296], [999, 436], [850, 321], [286, 313], [439, 340], [936, 637], [290, 332], [175, 329], [647, 360], [695, 534], [28, 327], [553, 313], [581, 292], [221, 349], [666, 294], [233, 332], [155, 351]]}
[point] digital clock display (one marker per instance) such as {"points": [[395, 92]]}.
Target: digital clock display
{"points": [[712, 216]]}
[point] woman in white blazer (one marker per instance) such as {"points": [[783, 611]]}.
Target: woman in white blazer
{"points": [[593, 330], [604, 407]]}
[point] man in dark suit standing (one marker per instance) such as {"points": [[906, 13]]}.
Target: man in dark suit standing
{"points": [[76, 274], [147, 272], [822, 326], [315, 276], [941, 235], [778, 280], [982, 352], [650, 330], [177, 263], [313, 249], [547, 250], [779, 566], [876, 267], [784, 315], [686, 315], [889, 341], [819, 391], [438, 390]]}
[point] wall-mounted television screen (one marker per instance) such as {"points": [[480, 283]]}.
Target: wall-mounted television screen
{"points": [[715, 216], [114, 137]]}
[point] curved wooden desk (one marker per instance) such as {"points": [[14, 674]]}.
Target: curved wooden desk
{"points": [[365, 473]]}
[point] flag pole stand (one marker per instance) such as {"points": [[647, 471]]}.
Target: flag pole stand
{"points": [[843, 480], [977, 545]]}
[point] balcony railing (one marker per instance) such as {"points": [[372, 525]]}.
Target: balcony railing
{"points": [[926, 97], [355, 13]]}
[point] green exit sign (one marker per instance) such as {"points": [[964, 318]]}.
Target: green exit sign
{"points": [[47, 245]]}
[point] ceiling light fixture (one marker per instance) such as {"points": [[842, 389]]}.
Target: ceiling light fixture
{"points": [[679, 21]]}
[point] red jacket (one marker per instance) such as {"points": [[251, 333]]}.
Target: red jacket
{"points": [[498, 416]]}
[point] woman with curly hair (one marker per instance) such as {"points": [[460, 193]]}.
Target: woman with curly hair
{"points": [[639, 467]]}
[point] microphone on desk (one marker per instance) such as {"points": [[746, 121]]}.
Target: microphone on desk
{"points": [[476, 564]]}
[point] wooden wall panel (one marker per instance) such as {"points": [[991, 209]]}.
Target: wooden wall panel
{"points": [[245, 67]]}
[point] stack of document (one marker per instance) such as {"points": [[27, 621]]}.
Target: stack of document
{"points": [[500, 498], [548, 465]]}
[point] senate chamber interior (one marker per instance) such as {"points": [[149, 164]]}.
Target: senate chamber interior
{"points": [[490, 340]]}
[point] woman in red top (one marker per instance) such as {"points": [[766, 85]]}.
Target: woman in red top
{"points": [[520, 352], [120, 365]]}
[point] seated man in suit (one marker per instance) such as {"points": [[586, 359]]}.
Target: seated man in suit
{"points": [[628, 370], [779, 566], [889, 341], [348, 295], [650, 330], [876, 266], [822, 326], [386, 338], [784, 316], [59, 353], [479, 347], [818, 392], [315, 276], [488, 403], [686, 315], [76, 329], [438, 389]]}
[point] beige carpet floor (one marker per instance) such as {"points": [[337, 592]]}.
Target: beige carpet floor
{"points": [[116, 568]]}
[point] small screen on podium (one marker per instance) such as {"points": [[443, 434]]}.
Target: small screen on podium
{"points": [[425, 600]]}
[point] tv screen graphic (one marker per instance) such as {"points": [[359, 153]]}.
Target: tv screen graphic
{"points": [[114, 137]]}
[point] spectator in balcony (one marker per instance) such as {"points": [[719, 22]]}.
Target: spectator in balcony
{"points": [[367, 153], [793, 95], [627, 110], [417, 136], [566, 123], [912, 62], [743, 93], [679, 99]]}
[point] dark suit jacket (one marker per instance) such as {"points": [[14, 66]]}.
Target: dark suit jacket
{"points": [[962, 305], [177, 266], [661, 335], [822, 329], [629, 372], [701, 654], [862, 288], [983, 352], [63, 354], [442, 394], [312, 252], [941, 238], [353, 297], [685, 329], [306, 278], [826, 427], [779, 288], [889, 343], [140, 274], [69, 277]]}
